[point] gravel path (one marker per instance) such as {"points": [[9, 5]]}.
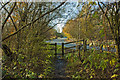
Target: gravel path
{"points": [[59, 66]]}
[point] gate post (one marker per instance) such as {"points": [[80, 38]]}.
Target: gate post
{"points": [[55, 48], [62, 49], [84, 44], [79, 51], [80, 45]]}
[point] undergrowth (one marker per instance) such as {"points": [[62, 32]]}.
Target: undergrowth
{"points": [[93, 64]]}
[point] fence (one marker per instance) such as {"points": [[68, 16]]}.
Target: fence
{"points": [[78, 46], [66, 50]]}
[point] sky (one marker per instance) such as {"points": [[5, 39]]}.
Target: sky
{"points": [[58, 0], [71, 13]]}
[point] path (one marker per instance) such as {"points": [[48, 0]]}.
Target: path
{"points": [[59, 67], [60, 63]]}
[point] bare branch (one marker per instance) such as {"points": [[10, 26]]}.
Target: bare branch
{"points": [[29, 6], [48, 29], [11, 19], [4, 5], [8, 16], [47, 23], [107, 19], [33, 21], [103, 4]]}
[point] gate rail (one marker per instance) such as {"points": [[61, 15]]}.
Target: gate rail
{"points": [[64, 49]]}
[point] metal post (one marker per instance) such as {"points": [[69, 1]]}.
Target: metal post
{"points": [[55, 48], [62, 49]]}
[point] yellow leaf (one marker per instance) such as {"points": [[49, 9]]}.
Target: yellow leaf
{"points": [[115, 75], [41, 76]]}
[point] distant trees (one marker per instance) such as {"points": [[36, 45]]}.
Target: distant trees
{"points": [[85, 24], [101, 23], [88, 24], [69, 29]]}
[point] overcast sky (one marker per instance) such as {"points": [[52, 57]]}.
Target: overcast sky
{"points": [[71, 12]]}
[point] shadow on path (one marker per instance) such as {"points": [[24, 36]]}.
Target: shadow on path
{"points": [[59, 67]]}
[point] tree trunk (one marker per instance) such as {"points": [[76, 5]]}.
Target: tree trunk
{"points": [[118, 49]]}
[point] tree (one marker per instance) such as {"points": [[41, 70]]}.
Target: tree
{"points": [[112, 14], [24, 38]]}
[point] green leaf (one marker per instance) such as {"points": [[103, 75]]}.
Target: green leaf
{"points": [[117, 65], [116, 70], [101, 31], [84, 62], [102, 35], [86, 66], [91, 65]]}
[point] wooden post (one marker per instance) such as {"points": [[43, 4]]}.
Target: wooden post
{"points": [[84, 44], [55, 48], [62, 49], [79, 51], [80, 45], [101, 46]]}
